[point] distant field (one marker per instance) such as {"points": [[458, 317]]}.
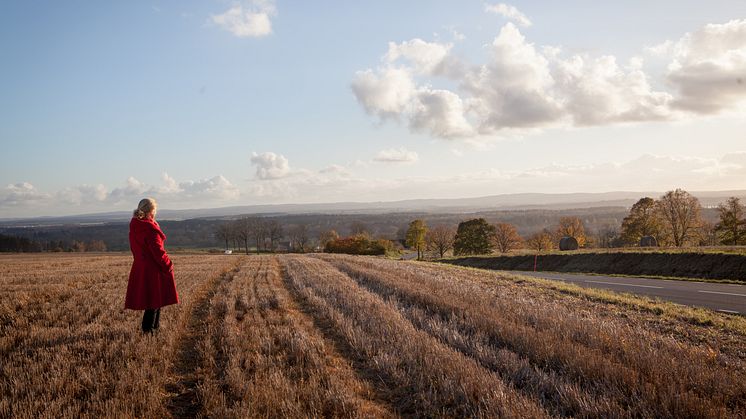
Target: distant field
{"points": [[344, 336]]}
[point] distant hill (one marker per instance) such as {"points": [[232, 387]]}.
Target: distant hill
{"points": [[506, 202]]}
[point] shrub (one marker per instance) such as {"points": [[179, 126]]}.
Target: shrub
{"points": [[358, 244]]}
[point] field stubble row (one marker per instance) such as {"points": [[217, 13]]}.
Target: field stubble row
{"points": [[339, 336], [562, 355], [67, 347]]}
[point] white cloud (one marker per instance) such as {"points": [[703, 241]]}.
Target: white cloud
{"points": [[385, 93], [21, 193], [508, 12], [522, 88], [440, 112], [662, 49], [270, 165], [252, 20], [217, 187], [396, 155], [426, 57], [513, 90], [133, 188], [709, 68], [83, 194]]}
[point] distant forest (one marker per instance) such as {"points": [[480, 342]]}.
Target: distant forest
{"points": [[200, 232]]}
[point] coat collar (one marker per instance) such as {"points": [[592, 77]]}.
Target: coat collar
{"points": [[151, 222]]}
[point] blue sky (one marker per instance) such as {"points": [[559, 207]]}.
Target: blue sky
{"points": [[216, 103]]}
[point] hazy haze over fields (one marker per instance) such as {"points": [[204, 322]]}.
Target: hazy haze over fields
{"points": [[213, 104]]}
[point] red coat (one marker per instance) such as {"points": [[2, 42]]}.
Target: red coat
{"points": [[151, 284]]}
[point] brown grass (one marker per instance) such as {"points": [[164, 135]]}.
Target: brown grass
{"points": [[263, 357], [342, 336], [67, 347], [562, 355]]}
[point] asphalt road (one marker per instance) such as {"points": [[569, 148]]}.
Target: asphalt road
{"points": [[729, 298]]}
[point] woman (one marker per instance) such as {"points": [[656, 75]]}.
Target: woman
{"points": [[151, 282]]}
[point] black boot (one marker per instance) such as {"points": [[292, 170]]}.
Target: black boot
{"points": [[149, 320]]}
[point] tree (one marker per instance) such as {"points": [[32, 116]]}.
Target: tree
{"points": [[506, 237], [95, 246], [571, 227], [541, 241], [223, 233], [299, 237], [259, 231], [416, 236], [608, 237], [474, 237], [327, 236], [643, 220], [440, 239], [680, 215], [359, 227], [731, 229], [244, 230], [274, 233], [706, 234]]}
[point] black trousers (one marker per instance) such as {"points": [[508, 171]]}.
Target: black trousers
{"points": [[150, 320]]}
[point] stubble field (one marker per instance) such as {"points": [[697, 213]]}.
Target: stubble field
{"points": [[343, 336]]}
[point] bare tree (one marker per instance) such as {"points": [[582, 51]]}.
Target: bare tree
{"points": [[440, 239], [223, 233], [608, 237], [506, 237], [274, 233], [680, 213], [299, 237], [244, 230], [258, 232], [359, 227]]}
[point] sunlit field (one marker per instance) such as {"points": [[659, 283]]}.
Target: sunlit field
{"points": [[344, 336]]}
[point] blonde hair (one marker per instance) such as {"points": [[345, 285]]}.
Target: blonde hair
{"points": [[145, 207]]}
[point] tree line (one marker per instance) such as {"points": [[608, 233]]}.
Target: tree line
{"points": [[673, 220], [9, 243], [259, 235]]}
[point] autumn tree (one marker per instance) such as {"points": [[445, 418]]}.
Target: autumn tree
{"points": [[440, 239], [506, 237], [643, 220], [416, 236], [541, 241], [571, 227], [731, 229], [474, 237], [680, 215], [326, 236]]}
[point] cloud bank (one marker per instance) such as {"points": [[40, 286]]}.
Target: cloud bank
{"points": [[521, 86]]}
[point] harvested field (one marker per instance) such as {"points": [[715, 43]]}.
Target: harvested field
{"points": [[344, 336]]}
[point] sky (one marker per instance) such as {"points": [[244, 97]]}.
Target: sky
{"points": [[217, 103]]}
